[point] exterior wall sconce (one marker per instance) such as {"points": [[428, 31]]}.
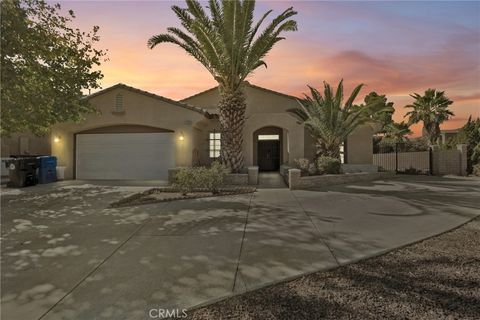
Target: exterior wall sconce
{"points": [[181, 137], [56, 139]]}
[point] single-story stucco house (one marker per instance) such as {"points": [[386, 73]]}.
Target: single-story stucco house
{"points": [[140, 135]]}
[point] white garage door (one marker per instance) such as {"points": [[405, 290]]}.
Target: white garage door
{"points": [[108, 156]]}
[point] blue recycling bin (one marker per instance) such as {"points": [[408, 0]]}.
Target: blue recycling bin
{"points": [[47, 169]]}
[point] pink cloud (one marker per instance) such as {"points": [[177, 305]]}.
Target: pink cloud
{"points": [[373, 56]]}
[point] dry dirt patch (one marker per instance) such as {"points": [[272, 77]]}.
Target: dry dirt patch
{"points": [[155, 195]]}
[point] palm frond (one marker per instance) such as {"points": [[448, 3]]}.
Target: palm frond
{"points": [[328, 119], [226, 41]]}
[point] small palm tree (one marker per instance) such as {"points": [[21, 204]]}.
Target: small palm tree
{"points": [[397, 132], [229, 45], [330, 120], [432, 110]]}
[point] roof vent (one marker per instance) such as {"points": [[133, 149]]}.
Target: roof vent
{"points": [[118, 105]]}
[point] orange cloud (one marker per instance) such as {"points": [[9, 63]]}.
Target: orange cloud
{"points": [[310, 56], [471, 97]]}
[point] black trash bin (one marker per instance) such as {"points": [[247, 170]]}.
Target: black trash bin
{"points": [[23, 171]]}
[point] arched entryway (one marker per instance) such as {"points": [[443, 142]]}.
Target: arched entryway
{"points": [[268, 148]]}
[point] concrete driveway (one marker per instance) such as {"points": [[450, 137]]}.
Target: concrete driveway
{"points": [[65, 255]]}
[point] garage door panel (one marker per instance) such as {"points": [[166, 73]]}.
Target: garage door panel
{"points": [[125, 156]]}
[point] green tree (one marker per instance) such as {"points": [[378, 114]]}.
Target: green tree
{"points": [[380, 109], [229, 45], [432, 110], [45, 66], [397, 132], [330, 120], [469, 134]]}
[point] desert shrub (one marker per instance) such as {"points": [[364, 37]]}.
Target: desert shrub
{"points": [[328, 165], [476, 170], [186, 179], [302, 164], [214, 177], [415, 144]]}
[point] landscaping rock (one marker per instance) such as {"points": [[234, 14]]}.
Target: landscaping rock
{"points": [[437, 278]]}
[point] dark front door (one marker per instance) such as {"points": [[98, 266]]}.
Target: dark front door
{"points": [[268, 155]]}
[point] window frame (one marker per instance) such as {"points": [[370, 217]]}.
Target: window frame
{"points": [[343, 153], [214, 144]]}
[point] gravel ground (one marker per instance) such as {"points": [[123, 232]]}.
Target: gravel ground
{"points": [[438, 278]]}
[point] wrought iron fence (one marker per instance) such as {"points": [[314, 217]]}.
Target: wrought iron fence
{"points": [[402, 158]]}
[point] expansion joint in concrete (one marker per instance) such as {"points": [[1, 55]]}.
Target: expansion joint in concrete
{"points": [[237, 269], [324, 241]]}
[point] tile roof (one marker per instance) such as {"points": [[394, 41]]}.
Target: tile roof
{"points": [[250, 85]]}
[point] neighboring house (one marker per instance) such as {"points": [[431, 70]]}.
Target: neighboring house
{"points": [[446, 135], [140, 135]]}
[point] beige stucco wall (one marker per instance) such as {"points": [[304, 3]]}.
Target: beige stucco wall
{"points": [[139, 110], [25, 143], [202, 131], [359, 147], [452, 161], [270, 109], [264, 109], [207, 99]]}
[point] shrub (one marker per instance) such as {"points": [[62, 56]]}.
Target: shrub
{"points": [[475, 158], [476, 170], [302, 164], [213, 178], [328, 165], [385, 146], [186, 179]]}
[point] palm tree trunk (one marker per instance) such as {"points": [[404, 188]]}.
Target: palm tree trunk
{"points": [[232, 107], [431, 132], [332, 150]]}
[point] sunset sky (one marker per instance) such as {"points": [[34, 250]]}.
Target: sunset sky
{"points": [[394, 48]]}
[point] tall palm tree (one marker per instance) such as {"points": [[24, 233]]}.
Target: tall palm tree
{"points": [[397, 132], [330, 120], [432, 110], [229, 45]]}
